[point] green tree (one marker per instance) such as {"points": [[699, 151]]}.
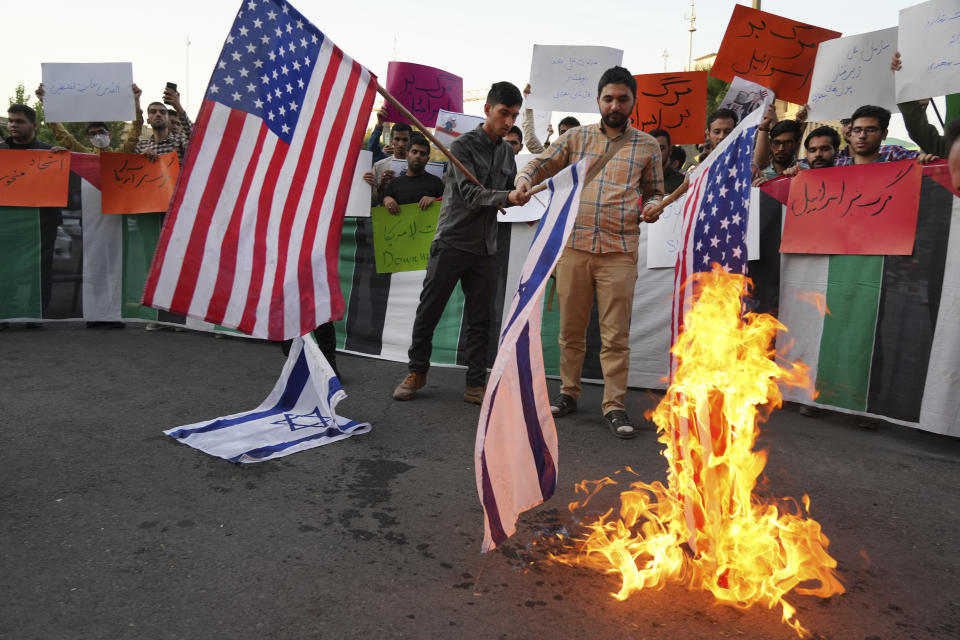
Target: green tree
{"points": [[77, 129]]}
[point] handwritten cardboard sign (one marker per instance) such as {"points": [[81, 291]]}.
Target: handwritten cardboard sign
{"points": [[84, 92], [423, 90], [402, 242], [676, 102], [868, 209], [130, 183], [34, 178], [450, 125], [776, 52], [929, 41], [851, 72], [564, 78]]}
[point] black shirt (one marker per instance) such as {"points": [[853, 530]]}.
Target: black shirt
{"points": [[406, 189]]}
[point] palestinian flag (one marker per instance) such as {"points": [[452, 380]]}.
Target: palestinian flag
{"points": [[890, 344]]}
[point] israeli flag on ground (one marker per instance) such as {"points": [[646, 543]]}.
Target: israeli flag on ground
{"points": [[516, 450], [298, 414]]}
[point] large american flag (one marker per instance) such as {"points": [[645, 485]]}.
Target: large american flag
{"points": [[252, 237], [715, 212], [515, 456]]}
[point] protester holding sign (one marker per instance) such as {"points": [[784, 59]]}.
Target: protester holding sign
{"points": [[533, 142], [97, 132], [867, 132], [915, 120], [163, 139], [416, 185], [464, 248], [381, 173], [600, 259]]}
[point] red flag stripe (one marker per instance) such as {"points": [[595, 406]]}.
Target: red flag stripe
{"points": [[292, 203], [197, 135], [190, 269], [226, 272]]}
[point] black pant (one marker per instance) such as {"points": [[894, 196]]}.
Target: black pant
{"points": [[476, 275], [326, 335], [50, 220]]}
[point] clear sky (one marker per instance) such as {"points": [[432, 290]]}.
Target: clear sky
{"points": [[483, 43]]}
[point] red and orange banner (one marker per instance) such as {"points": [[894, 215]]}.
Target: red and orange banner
{"points": [[675, 102], [868, 209], [131, 183], [34, 178], [770, 50]]}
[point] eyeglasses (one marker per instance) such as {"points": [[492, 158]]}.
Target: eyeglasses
{"points": [[869, 131]]}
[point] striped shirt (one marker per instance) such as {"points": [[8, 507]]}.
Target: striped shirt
{"points": [[609, 217]]}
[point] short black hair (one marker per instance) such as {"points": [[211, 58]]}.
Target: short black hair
{"points": [[678, 154], [173, 112], [661, 133], [786, 126], [400, 126], [872, 111], [515, 129], [97, 125], [725, 114], [569, 122], [159, 103], [845, 121], [25, 111], [504, 93], [827, 131], [420, 140], [952, 131], [617, 75]]}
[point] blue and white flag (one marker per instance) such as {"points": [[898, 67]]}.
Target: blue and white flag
{"points": [[297, 415], [516, 451], [715, 212]]}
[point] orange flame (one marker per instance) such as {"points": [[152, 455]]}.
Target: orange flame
{"points": [[707, 528]]}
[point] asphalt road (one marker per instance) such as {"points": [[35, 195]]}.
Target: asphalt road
{"points": [[110, 529]]}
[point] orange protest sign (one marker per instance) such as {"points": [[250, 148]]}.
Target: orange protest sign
{"points": [[34, 178], [772, 51], [131, 183], [867, 209], [675, 102]]}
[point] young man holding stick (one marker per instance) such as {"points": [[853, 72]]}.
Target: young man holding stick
{"points": [[465, 244]]}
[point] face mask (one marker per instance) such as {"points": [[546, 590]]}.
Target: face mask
{"points": [[100, 141]]}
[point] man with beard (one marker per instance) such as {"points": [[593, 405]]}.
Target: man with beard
{"points": [[416, 185], [671, 177], [600, 259], [464, 248], [821, 145], [163, 139]]}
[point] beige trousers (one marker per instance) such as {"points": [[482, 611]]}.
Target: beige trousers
{"points": [[610, 277]]}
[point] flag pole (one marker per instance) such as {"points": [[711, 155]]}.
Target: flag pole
{"points": [[413, 119]]}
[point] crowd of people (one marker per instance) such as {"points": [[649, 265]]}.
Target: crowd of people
{"points": [[599, 263]]}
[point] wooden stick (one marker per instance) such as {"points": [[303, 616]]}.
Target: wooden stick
{"points": [[412, 118]]}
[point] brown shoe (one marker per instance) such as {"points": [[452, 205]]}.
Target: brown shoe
{"points": [[474, 395], [408, 388]]}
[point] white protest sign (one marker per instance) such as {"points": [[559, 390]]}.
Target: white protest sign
{"points": [[564, 78], [853, 71], [541, 119], [744, 96], [536, 206], [450, 125], [85, 92], [929, 41], [664, 236], [399, 167], [358, 205]]}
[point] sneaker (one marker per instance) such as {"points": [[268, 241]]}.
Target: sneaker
{"points": [[474, 395], [619, 424], [408, 388], [563, 405], [153, 326]]}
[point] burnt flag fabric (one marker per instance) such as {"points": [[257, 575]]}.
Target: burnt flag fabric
{"points": [[299, 414], [252, 238], [516, 448]]}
